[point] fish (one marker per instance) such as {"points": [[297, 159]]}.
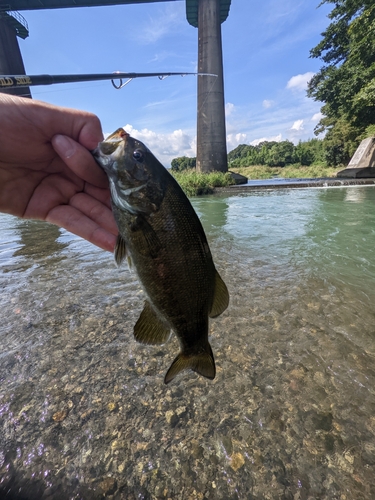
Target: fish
{"points": [[162, 238]]}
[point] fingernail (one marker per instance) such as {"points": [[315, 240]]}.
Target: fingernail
{"points": [[64, 146]]}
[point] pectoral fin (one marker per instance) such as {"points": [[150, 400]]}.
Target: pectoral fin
{"points": [[221, 297], [149, 329], [151, 243], [120, 249], [202, 363]]}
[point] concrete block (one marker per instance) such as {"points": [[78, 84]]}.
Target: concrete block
{"points": [[362, 163]]}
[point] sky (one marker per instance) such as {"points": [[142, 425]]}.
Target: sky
{"points": [[266, 48]]}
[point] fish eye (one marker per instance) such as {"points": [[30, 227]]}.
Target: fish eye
{"points": [[138, 155]]}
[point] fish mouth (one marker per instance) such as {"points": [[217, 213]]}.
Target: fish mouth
{"points": [[101, 159], [117, 135], [105, 149]]}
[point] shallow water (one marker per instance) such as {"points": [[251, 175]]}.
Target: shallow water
{"points": [[84, 412]]}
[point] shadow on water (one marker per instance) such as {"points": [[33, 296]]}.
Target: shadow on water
{"points": [[32, 243], [84, 412], [39, 240]]}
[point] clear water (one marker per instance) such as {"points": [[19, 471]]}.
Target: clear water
{"points": [[84, 412]]}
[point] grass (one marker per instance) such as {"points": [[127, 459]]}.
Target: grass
{"points": [[196, 183], [289, 172]]}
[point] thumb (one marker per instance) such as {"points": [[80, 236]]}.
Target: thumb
{"points": [[64, 146], [79, 160]]}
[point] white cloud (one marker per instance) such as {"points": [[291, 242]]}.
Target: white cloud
{"points": [[233, 140], [165, 146], [297, 125], [282, 12], [229, 108], [161, 56], [317, 117], [276, 138], [299, 82], [267, 103], [158, 26]]}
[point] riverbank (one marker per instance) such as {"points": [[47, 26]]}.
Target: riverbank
{"points": [[256, 172], [261, 177]]}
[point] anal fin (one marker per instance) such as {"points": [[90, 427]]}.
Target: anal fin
{"points": [[221, 297], [149, 329]]}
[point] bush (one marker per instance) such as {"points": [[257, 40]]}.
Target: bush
{"points": [[369, 132], [196, 183], [290, 171]]}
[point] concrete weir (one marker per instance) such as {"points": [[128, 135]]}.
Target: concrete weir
{"points": [[277, 183], [362, 165]]}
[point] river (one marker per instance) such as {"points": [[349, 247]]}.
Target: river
{"points": [[84, 413]]}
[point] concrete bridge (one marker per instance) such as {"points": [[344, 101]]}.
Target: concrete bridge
{"points": [[206, 15]]}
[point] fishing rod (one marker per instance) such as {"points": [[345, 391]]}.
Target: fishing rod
{"points": [[19, 81]]}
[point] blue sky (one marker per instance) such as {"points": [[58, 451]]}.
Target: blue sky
{"points": [[266, 63]]}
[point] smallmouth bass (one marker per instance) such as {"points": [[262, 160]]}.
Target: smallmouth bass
{"points": [[163, 240]]}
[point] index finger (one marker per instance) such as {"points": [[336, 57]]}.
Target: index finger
{"points": [[72, 219]]}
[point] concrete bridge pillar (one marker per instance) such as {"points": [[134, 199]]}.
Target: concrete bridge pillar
{"points": [[11, 62], [211, 134]]}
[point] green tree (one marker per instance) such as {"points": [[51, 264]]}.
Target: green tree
{"points": [[280, 154], [183, 163], [303, 154], [239, 152], [340, 143], [346, 82], [308, 152]]}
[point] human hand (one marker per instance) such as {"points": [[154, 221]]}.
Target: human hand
{"points": [[47, 171]]}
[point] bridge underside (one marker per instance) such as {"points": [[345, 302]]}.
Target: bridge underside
{"points": [[60, 4], [191, 6]]}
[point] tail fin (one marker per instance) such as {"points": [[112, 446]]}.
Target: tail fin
{"points": [[201, 362]]}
